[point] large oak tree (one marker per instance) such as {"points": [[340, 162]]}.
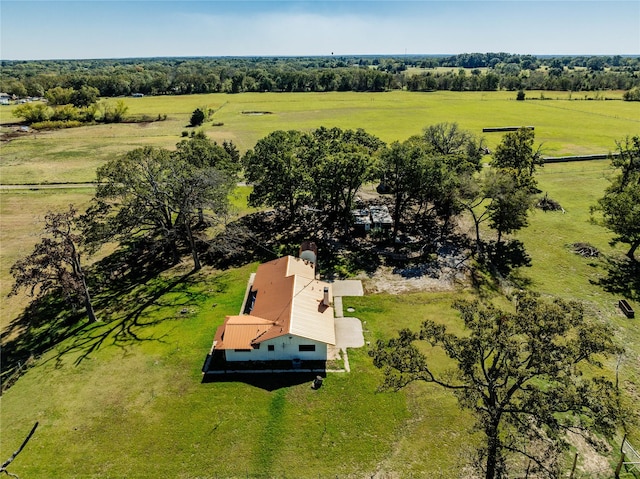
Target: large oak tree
{"points": [[55, 264], [519, 373]]}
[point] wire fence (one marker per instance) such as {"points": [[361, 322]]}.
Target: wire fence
{"points": [[630, 459]]}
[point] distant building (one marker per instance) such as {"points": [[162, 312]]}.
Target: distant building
{"points": [[374, 217], [137, 95]]}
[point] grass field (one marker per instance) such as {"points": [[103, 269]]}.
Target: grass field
{"points": [[563, 126], [125, 398], [137, 407]]}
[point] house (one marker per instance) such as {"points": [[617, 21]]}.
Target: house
{"points": [[286, 315]]}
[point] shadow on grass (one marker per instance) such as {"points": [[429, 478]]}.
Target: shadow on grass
{"points": [[43, 324], [623, 277], [123, 322], [122, 299], [267, 381]]}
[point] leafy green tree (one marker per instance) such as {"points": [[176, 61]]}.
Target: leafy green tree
{"points": [[59, 96], [197, 117], [509, 205], [342, 160], [518, 372], [403, 172], [134, 194], [65, 113], [55, 264], [202, 152], [194, 190], [620, 205], [633, 94], [279, 171], [113, 113], [85, 96], [447, 138], [33, 112], [152, 193], [516, 152]]}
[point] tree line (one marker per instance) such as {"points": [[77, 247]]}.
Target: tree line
{"points": [[160, 76]]}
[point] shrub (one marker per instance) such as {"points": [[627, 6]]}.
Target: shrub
{"points": [[33, 112], [197, 117], [520, 96], [55, 124], [632, 95]]}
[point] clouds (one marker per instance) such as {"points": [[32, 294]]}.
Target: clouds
{"points": [[99, 29]]}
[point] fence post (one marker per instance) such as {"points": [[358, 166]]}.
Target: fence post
{"points": [[618, 467], [573, 469]]}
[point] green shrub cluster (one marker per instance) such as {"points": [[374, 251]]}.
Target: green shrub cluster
{"points": [[56, 124]]}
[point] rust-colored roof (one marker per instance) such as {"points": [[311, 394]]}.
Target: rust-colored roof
{"points": [[288, 301], [238, 332]]}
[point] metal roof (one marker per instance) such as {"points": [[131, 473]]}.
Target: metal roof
{"points": [[288, 300]]}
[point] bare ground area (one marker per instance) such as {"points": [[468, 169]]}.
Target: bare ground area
{"points": [[447, 275]]}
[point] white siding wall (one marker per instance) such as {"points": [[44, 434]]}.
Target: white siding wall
{"points": [[284, 348]]}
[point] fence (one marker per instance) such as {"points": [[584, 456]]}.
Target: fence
{"points": [[630, 459]]}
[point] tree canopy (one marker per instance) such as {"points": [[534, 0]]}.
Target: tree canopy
{"points": [[519, 373], [323, 168], [152, 193], [620, 205], [55, 263]]}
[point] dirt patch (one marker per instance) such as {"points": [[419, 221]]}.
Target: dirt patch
{"points": [[594, 463], [447, 274]]}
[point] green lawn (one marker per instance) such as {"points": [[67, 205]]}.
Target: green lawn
{"points": [[118, 405]]}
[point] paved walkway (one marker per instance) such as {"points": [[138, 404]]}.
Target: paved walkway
{"points": [[346, 287], [348, 330]]}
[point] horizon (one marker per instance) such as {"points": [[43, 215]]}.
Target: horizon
{"points": [[355, 55], [114, 29]]}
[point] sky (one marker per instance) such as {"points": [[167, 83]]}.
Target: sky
{"points": [[38, 30]]}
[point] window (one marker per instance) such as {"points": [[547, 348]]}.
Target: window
{"points": [[307, 347], [271, 347], [242, 350]]}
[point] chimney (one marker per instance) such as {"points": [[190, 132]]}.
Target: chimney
{"points": [[325, 300]]}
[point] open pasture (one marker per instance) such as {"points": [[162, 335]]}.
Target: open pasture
{"points": [[564, 126], [135, 406]]}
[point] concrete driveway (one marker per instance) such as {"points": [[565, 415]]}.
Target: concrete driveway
{"points": [[349, 333], [347, 287]]}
